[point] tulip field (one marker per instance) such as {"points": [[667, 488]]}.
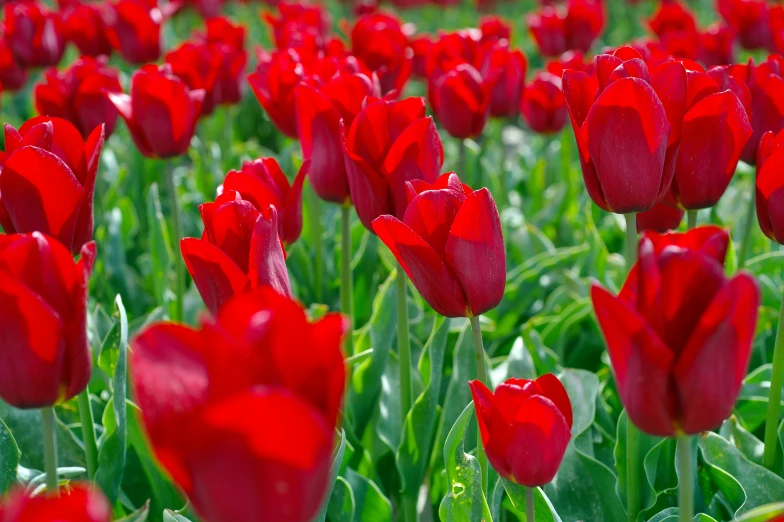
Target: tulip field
{"points": [[416, 261]]}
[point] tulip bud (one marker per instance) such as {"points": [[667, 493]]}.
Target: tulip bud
{"points": [[543, 106], [770, 179], [661, 218], [34, 34], [198, 65], [75, 503], [13, 75], [380, 41], [750, 19], [84, 26], [717, 45], [508, 69], [229, 40], [273, 83], [676, 28], [134, 29], [460, 99]]}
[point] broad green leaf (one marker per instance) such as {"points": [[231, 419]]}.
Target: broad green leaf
{"points": [[9, 459], [334, 470], [543, 509], [661, 475], [171, 516], [140, 515], [647, 445], [763, 513], [160, 249], [751, 447], [518, 364], [341, 502], [369, 502], [671, 515]]}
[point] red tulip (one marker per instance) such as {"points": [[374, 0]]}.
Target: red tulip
{"points": [[663, 217], [770, 180], [507, 68], [381, 41], [161, 112], [299, 24], [494, 29], [84, 26], [460, 100], [717, 46], [575, 27], [627, 120], [262, 183], [450, 244], [34, 34], [676, 28], [548, 31], [48, 180], [679, 334], [244, 408], [273, 83], [46, 357], [451, 50], [198, 65], [525, 426], [134, 30], [420, 46], [569, 60], [229, 40], [543, 106], [13, 76], [78, 94], [389, 144], [750, 19], [239, 251], [76, 503]]}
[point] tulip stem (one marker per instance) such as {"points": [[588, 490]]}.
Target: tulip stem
{"points": [[685, 480], [691, 219], [631, 239], [50, 450], [174, 208], [774, 400], [463, 159], [529, 505], [481, 375], [88, 433], [751, 212], [346, 278], [403, 344], [314, 207]]}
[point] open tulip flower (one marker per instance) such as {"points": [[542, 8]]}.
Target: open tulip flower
{"points": [[48, 180], [34, 33], [249, 403], [45, 357], [450, 244], [240, 250], [525, 427], [76, 503], [770, 181], [678, 328], [381, 42], [627, 119]]}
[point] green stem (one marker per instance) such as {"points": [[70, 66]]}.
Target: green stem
{"points": [[463, 161], [751, 212], [403, 344], [346, 278], [481, 375], [633, 450], [774, 400], [631, 239], [88, 433], [529, 505], [50, 451], [685, 480], [174, 206], [691, 219], [315, 227], [410, 509]]}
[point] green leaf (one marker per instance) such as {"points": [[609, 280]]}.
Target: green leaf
{"points": [[159, 246], [369, 502], [671, 515], [334, 470], [763, 513], [171, 516], [464, 501], [647, 445], [140, 515], [9, 459], [543, 509], [341, 502], [111, 452]]}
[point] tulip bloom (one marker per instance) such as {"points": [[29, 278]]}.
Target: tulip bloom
{"points": [[34, 34], [45, 357], [526, 427], [229, 40], [420, 46], [78, 94], [679, 334], [750, 19], [543, 106], [299, 25], [198, 65], [48, 180], [161, 112], [273, 83], [76, 503], [627, 119], [556, 30], [381, 42], [507, 68], [717, 45], [84, 26], [389, 144], [460, 99], [134, 29], [13, 75], [197, 389], [239, 251], [263, 183], [451, 245], [663, 217], [494, 29], [770, 181], [676, 28]]}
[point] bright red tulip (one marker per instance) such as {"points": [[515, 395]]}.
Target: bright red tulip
{"points": [[134, 29], [273, 83], [525, 427], [717, 45], [543, 106], [239, 251], [494, 29], [420, 45], [676, 28], [263, 183], [34, 34], [451, 50], [299, 25], [770, 181], [460, 100], [380, 41], [679, 334], [13, 75], [161, 112], [78, 94], [663, 217], [389, 144], [84, 26], [76, 503], [229, 39], [48, 180], [507, 68], [198, 65], [45, 355], [450, 244], [245, 407], [561, 29], [750, 19], [627, 119]]}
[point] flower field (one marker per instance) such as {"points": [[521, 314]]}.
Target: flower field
{"points": [[417, 261]]}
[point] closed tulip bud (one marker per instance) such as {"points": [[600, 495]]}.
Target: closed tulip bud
{"points": [[380, 41], [45, 357], [48, 180], [239, 251], [663, 217], [770, 181], [460, 100], [198, 65], [84, 26], [627, 119], [508, 68], [250, 400], [161, 111], [229, 39], [675, 26], [389, 144], [543, 106], [76, 503], [679, 334], [451, 245], [547, 29], [570, 28], [451, 50], [34, 34], [13, 75], [78, 94], [263, 183], [134, 30], [526, 427], [717, 45], [273, 83]]}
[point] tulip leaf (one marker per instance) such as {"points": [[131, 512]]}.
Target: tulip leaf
{"points": [[647, 445], [140, 515], [334, 470], [341, 502], [111, 450], [661, 475], [171, 516], [413, 454], [369, 502], [543, 509], [159, 244], [671, 515], [763, 513], [9, 459], [465, 501]]}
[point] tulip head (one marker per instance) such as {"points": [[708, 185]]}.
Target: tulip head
{"points": [[675, 26], [460, 99], [273, 83], [84, 26], [229, 40], [34, 34], [198, 65], [13, 75], [716, 45], [381, 41], [663, 217], [75, 503], [508, 68], [542, 106], [770, 185], [134, 30]]}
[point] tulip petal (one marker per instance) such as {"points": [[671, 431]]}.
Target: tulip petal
{"points": [[432, 214], [292, 207], [483, 402], [215, 275], [267, 264], [549, 386]]}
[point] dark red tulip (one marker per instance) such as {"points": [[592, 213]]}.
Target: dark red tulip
{"points": [[196, 389], [161, 112], [76, 503], [525, 426], [239, 251], [46, 357], [750, 19], [78, 94], [380, 41], [547, 29], [421, 45], [134, 30], [48, 180], [84, 26], [34, 34], [574, 60], [663, 217], [543, 106], [573, 27], [13, 75], [198, 65], [460, 99], [298, 25], [770, 182], [389, 144], [717, 45], [453, 49], [263, 183], [627, 119], [507, 68], [494, 29], [450, 244], [273, 83], [676, 28], [229, 39], [679, 334]]}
